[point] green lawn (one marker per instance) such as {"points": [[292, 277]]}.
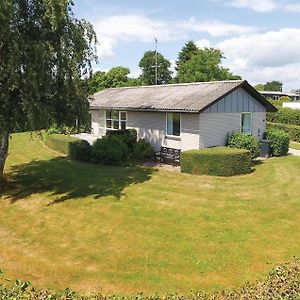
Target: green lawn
{"points": [[295, 145], [124, 230]]}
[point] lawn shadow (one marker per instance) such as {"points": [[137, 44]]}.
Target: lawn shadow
{"points": [[68, 179]]}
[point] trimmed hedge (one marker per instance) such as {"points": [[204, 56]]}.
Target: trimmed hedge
{"points": [[292, 130], [244, 141], [59, 142], [110, 150], [218, 161], [285, 115], [280, 142], [127, 136], [80, 150], [283, 282], [142, 151]]}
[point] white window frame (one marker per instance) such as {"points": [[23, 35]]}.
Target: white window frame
{"points": [[241, 122], [105, 119], [170, 135]]}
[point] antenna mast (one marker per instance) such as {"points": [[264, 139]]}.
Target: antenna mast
{"points": [[156, 63]]}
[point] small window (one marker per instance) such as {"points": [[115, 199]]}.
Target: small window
{"points": [[173, 124], [246, 123]]}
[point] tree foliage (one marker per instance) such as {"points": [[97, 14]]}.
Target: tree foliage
{"points": [[187, 52], [274, 86], [115, 77], [205, 66], [44, 53], [147, 63]]}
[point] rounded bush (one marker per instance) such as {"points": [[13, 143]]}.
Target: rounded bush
{"points": [[280, 142], [127, 136], [80, 150], [142, 150], [109, 150], [292, 130], [244, 141], [218, 161]]}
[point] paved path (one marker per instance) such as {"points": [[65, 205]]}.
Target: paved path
{"points": [[294, 152], [85, 136]]}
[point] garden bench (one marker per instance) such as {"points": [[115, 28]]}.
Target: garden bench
{"points": [[168, 156]]}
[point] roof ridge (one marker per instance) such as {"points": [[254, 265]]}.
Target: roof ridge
{"points": [[177, 84]]}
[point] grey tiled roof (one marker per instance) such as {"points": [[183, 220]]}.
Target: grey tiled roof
{"points": [[189, 97]]}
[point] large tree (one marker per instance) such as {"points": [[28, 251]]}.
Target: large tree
{"points": [[186, 53], [205, 66], [44, 53], [274, 86], [149, 68], [115, 77]]}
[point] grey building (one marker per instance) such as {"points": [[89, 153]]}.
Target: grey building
{"points": [[182, 116], [276, 95]]}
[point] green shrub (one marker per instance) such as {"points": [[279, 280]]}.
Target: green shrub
{"points": [[110, 150], [244, 141], [285, 115], [218, 161], [292, 130], [80, 150], [280, 142], [142, 151], [127, 136], [59, 142]]}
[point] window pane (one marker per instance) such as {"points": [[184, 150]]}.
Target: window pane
{"points": [[115, 115], [108, 124], [176, 124], [116, 124], [123, 125], [246, 123], [108, 114], [169, 124], [123, 116]]}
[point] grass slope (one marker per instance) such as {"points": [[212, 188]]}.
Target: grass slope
{"points": [[124, 230]]}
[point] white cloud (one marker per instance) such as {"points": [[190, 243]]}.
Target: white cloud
{"points": [[256, 5], [261, 57], [270, 49], [295, 7], [215, 28], [204, 43], [129, 28]]}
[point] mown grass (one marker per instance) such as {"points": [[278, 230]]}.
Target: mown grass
{"points": [[295, 145], [128, 229]]}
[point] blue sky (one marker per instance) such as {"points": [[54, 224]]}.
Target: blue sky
{"points": [[260, 38]]}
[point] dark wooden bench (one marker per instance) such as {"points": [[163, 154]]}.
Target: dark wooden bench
{"points": [[168, 156]]}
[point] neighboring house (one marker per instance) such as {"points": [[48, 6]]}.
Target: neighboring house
{"points": [[277, 95], [182, 116]]}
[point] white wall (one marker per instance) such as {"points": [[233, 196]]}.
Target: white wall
{"points": [[95, 122], [151, 126], [291, 105], [214, 127]]}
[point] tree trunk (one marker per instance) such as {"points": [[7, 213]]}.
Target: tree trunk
{"points": [[4, 138]]}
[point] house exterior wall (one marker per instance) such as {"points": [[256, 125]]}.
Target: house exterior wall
{"points": [[151, 126], [95, 122], [224, 117]]}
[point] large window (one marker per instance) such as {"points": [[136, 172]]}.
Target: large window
{"points": [[116, 120], [246, 123], [173, 124]]}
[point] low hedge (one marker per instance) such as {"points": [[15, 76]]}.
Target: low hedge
{"points": [[283, 282], [217, 161], [292, 130], [285, 115], [80, 150], [280, 141], [59, 142]]}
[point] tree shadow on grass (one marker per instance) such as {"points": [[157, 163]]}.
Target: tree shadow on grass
{"points": [[68, 179]]}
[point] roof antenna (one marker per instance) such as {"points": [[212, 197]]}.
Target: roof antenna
{"points": [[156, 66]]}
